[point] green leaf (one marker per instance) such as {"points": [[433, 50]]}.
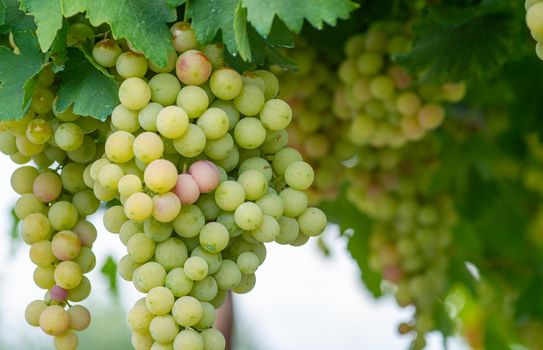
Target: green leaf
{"points": [[109, 270], [143, 23], [15, 19], [214, 16], [58, 50], [72, 7], [174, 3], [48, 18], [317, 12], [240, 33], [16, 73], [91, 92], [453, 44], [2, 12]]}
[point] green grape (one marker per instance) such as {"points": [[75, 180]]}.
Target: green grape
{"points": [[230, 110], [299, 175], [148, 146], [68, 274], [276, 114], [19, 158], [214, 123], [284, 158], [230, 162], [178, 282], [160, 176], [18, 127], [86, 259], [228, 276], [79, 33], [63, 216], [215, 53], [124, 119], [193, 67], [196, 268], [271, 84], [28, 204], [69, 136], [213, 259], [208, 317], [226, 83], [110, 175], [35, 227], [22, 179], [172, 122], [189, 222], [162, 346], [289, 230], [54, 320], [257, 163], [159, 301], [213, 339], [193, 99], [7, 143], [248, 216], [140, 248], [205, 290], [430, 116], [170, 65], [42, 100], [189, 340], [27, 148], [166, 207], [272, 205], [138, 207], [254, 183], [249, 78], [209, 207], [103, 193], [66, 116], [38, 131], [312, 222], [147, 116], [534, 14], [65, 245], [184, 38], [246, 285], [128, 229], [41, 254], [134, 93], [407, 103], [370, 63], [268, 230], [172, 253], [118, 147], [66, 341], [46, 77], [247, 263], [72, 177], [141, 341], [139, 318], [164, 88], [295, 202], [44, 277], [106, 52], [126, 267], [131, 64], [229, 195], [228, 220], [187, 311], [33, 312], [192, 143], [220, 148], [79, 317], [114, 218], [128, 185], [220, 299], [250, 100], [214, 237], [164, 329], [250, 133], [148, 276]]}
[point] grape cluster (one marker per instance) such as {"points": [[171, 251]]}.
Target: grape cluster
{"points": [[315, 132], [534, 20], [411, 235], [198, 159], [383, 105], [53, 205]]}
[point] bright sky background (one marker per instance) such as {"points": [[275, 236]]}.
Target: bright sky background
{"points": [[301, 300]]}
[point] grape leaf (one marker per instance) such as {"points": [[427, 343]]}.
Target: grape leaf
{"points": [[48, 18], [2, 12], [240, 33], [174, 3], [453, 44], [58, 49], [92, 93], [15, 19], [317, 12], [17, 73], [109, 270], [72, 7], [143, 23]]}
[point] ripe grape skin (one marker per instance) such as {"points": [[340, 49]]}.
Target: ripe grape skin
{"points": [[192, 143], [172, 122], [164, 88], [206, 175], [250, 100], [193, 67], [54, 320], [172, 253], [187, 311], [138, 207], [118, 147], [160, 176], [226, 83], [214, 123], [166, 207], [250, 133], [254, 183], [299, 175], [214, 237], [276, 114], [229, 195], [134, 93], [131, 64], [193, 99], [178, 282], [189, 222], [33, 312], [312, 222], [163, 329], [196, 268], [184, 38], [106, 52], [159, 301], [79, 317], [248, 216]]}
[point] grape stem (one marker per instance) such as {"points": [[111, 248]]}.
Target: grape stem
{"points": [[186, 15]]}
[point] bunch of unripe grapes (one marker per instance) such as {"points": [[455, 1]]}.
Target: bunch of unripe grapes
{"points": [[382, 103], [534, 20], [198, 161], [411, 234], [53, 205], [315, 132]]}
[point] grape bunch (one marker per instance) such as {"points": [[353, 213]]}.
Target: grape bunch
{"points": [[411, 235], [315, 132], [534, 20], [381, 102], [198, 164], [53, 205]]}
